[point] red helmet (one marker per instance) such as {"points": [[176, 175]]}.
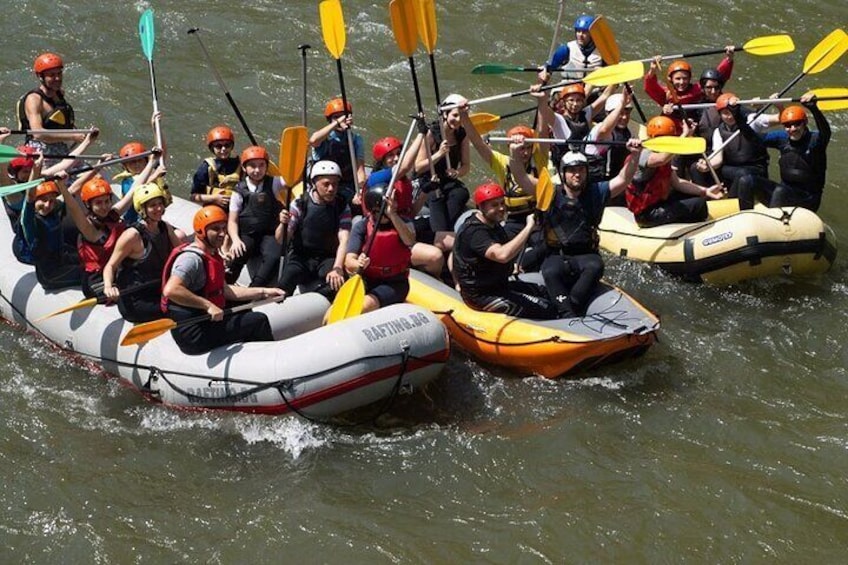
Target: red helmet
{"points": [[47, 61], [337, 106], [253, 152], [94, 188], [132, 148], [679, 65], [521, 130], [488, 191], [385, 146], [220, 133], [47, 187], [723, 101], [209, 214], [22, 162], [661, 125], [576, 88], [793, 113]]}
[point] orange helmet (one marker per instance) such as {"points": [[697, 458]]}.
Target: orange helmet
{"points": [[253, 152], [521, 130], [661, 125], [576, 88], [132, 148], [385, 146], [679, 65], [45, 188], [47, 61], [220, 133], [723, 101], [94, 188], [793, 113], [337, 106], [210, 214], [488, 191]]}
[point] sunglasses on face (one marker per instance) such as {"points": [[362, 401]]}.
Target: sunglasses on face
{"points": [[221, 145], [789, 125]]}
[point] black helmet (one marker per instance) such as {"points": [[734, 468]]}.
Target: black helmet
{"points": [[374, 197], [711, 74]]}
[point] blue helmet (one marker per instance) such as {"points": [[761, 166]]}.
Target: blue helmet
{"points": [[583, 22]]}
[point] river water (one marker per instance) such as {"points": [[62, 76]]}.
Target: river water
{"points": [[727, 442]]}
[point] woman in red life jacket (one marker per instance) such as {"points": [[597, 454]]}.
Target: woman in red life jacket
{"points": [[381, 252], [99, 223]]}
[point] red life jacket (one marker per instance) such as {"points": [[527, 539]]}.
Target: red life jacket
{"points": [[213, 291], [93, 257], [649, 187], [403, 198], [389, 254]]}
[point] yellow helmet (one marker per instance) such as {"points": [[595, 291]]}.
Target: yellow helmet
{"points": [[147, 192]]}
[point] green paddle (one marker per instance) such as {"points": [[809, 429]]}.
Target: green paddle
{"points": [[147, 35]]}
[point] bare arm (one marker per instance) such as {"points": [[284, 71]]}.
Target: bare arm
{"points": [[506, 252]]}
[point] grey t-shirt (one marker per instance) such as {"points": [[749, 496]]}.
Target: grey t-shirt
{"points": [[189, 267]]}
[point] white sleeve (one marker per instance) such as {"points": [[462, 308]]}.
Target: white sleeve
{"points": [[717, 141], [759, 123], [560, 128], [236, 202]]}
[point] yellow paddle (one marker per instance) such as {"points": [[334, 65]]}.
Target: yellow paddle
{"points": [[827, 99], [485, 122], [294, 143], [662, 144], [605, 76], [544, 199], [762, 46], [604, 39], [142, 333], [349, 300], [333, 31], [89, 302], [820, 57]]}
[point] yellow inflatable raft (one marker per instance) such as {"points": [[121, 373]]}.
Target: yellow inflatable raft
{"points": [[747, 244], [615, 327]]}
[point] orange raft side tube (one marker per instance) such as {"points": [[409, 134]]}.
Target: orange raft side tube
{"points": [[616, 327]]}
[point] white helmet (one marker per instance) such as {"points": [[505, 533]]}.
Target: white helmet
{"points": [[573, 159], [614, 102], [453, 100], [325, 169]]}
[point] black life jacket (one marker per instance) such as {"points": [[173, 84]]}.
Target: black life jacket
{"points": [[157, 248], [746, 149], [338, 152], [59, 116], [317, 232], [517, 201], [260, 211], [803, 164], [710, 120], [570, 225], [579, 129], [455, 152]]}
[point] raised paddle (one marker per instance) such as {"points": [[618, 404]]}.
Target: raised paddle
{"points": [[820, 58], [827, 99], [147, 35], [544, 199], [52, 132], [662, 144], [604, 40], [89, 302], [20, 187], [303, 48], [604, 76], [499, 69], [142, 333], [294, 144], [351, 296], [762, 46], [405, 29], [484, 122], [194, 31], [333, 31], [8, 152]]}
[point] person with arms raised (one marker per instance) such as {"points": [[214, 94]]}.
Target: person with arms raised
{"points": [[649, 195], [318, 231], [139, 257], [573, 267], [484, 256], [330, 143], [384, 266], [193, 284]]}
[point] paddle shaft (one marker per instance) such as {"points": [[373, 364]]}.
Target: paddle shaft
{"points": [[390, 192], [552, 141], [756, 102], [692, 54], [194, 31], [557, 26], [512, 94], [54, 132], [157, 126], [303, 47], [349, 131]]}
